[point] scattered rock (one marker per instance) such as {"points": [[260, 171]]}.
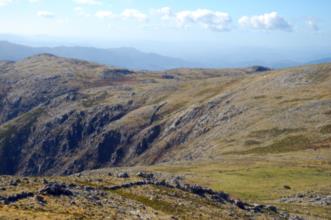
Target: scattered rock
{"points": [[16, 197], [123, 175], [15, 182], [271, 208], [242, 205], [167, 76], [72, 185], [41, 200], [296, 218], [286, 187], [145, 175], [215, 196], [309, 198], [56, 189]]}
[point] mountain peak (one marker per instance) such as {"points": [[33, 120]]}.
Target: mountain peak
{"points": [[45, 55], [40, 58]]}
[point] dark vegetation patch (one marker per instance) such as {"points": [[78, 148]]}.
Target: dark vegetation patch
{"points": [[252, 142], [27, 119], [274, 132], [260, 97], [288, 144], [326, 129], [92, 101], [297, 100], [12, 136], [155, 203]]}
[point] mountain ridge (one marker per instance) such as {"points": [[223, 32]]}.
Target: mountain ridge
{"points": [[75, 115], [124, 57]]}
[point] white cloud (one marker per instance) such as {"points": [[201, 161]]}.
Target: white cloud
{"points": [[213, 20], [5, 2], [312, 24], [134, 14], [81, 12], [166, 13], [45, 14], [35, 1], [88, 2], [268, 21], [103, 14]]}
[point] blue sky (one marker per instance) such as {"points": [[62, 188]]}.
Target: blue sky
{"points": [[296, 25]]}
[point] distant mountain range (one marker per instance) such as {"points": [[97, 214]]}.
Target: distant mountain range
{"points": [[125, 57], [320, 61], [131, 58]]}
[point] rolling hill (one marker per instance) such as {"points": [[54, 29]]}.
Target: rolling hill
{"points": [[320, 61], [261, 135]]}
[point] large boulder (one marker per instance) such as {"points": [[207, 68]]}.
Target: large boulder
{"points": [[56, 189]]}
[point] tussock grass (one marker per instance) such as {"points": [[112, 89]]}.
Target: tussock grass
{"points": [[288, 144], [326, 129], [252, 142], [274, 132], [157, 204], [285, 145]]}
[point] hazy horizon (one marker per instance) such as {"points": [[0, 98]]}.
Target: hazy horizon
{"points": [[213, 33]]}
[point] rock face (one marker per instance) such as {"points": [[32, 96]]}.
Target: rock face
{"points": [[61, 116]]}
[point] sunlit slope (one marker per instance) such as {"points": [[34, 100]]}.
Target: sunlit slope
{"points": [[63, 116]]}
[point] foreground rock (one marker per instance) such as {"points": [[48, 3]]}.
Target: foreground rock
{"points": [[176, 183], [56, 189], [154, 196], [16, 197], [308, 198]]}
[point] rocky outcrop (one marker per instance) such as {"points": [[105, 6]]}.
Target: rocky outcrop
{"points": [[176, 183], [56, 189], [16, 197], [148, 139]]}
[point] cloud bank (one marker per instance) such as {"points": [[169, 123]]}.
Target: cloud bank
{"points": [[45, 14], [5, 2], [134, 14], [213, 20], [312, 24], [88, 2], [104, 14], [268, 21]]}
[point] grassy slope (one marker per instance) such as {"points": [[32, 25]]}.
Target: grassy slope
{"points": [[283, 138], [262, 178]]}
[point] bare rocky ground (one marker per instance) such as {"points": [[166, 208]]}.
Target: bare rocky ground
{"points": [[122, 195], [309, 198]]}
